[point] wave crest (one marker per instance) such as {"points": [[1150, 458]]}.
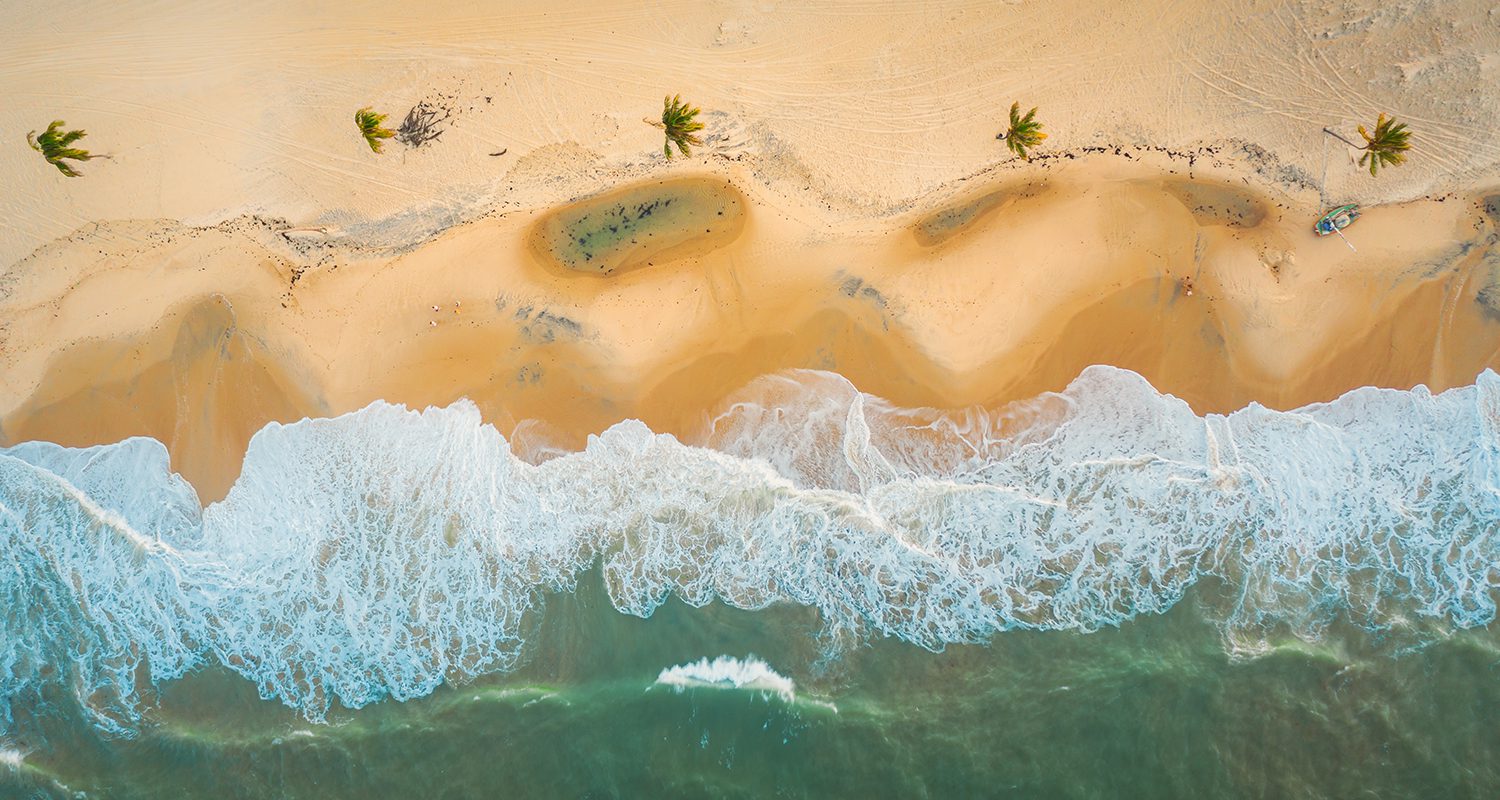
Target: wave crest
{"points": [[728, 672]]}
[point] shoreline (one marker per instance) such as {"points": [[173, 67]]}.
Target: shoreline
{"points": [[198, 337], [387, 410]]}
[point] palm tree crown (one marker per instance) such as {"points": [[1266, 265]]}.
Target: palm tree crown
{"points": [[369, 127], [679, 125], [53, 145], [1024, 132], [1387, 146]]}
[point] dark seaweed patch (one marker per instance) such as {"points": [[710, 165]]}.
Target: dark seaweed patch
{"points": [[856, 287], [944, 223], [1489, 300], [545, 327], [530, 374], [1218, 204]]}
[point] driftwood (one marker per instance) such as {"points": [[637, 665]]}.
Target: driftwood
{"points": [[423, 124]]}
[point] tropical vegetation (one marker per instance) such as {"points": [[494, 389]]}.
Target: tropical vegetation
{"points": [[1386, 147], [54, 143], [1024, 133], [369, 127], [679, 125]]}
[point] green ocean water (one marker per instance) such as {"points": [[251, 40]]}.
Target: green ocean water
{"points": [[1156, 708]]}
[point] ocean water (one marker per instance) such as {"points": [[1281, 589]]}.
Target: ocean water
{"points": [[1095, 593]]}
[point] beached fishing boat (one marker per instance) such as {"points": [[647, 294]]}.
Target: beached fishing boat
{"points": [[1336, 220]]}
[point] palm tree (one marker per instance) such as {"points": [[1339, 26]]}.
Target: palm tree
{"points": [[677, 121], [53, 145], [1386, 147], [1024, 132], [369, 127]]}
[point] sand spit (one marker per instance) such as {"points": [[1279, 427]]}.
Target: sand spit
{"points": [[1005, 287]]}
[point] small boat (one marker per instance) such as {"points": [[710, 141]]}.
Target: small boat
{"points": [[1336, 220]]}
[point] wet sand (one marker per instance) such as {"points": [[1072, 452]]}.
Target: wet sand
{"points": [[1002, 289]]}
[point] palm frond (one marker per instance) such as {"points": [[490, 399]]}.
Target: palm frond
{"points": [[1024, 133], [1387, 146], [369, 127], [679, 125], [53, 145]]}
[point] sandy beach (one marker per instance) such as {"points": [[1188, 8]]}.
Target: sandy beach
{"points": [[245, 258], [852, 454]]}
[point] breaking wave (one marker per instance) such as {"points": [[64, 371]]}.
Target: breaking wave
{"points": [[728, 672], [383, 552]]}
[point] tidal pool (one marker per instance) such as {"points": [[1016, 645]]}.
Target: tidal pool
{"points": [[641, 225]]}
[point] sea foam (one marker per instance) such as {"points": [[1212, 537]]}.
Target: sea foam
{"points": [[728, 672], [386, 551]]}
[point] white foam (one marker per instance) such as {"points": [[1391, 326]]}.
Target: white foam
{"points": [[381, 553], [87, 598], [728, 672]]}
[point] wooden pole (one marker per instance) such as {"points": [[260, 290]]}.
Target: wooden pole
{"points": [[1342, 139]]}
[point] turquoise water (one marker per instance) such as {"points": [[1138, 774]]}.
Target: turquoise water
{"points": [[1093, 594]]}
